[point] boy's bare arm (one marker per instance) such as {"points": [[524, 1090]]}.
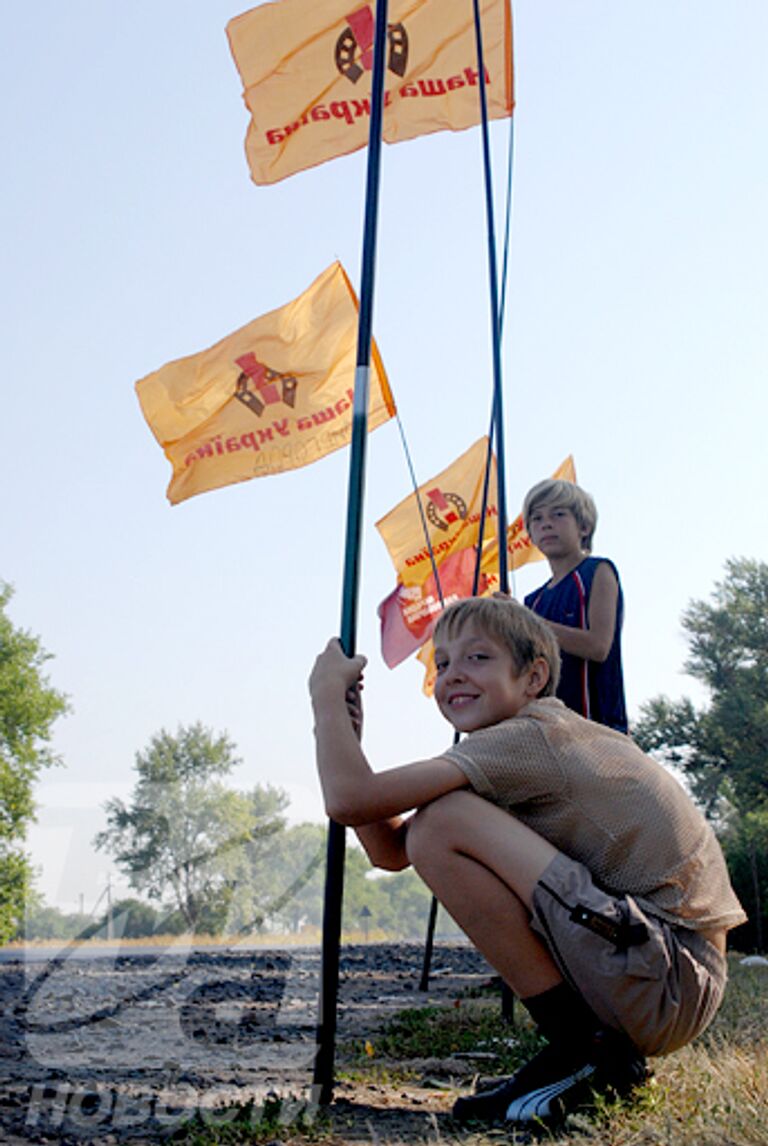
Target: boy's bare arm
{"points": [[354, 794], [384, 843], [594, 642]]}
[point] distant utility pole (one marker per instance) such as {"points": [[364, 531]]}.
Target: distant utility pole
{"points": [[109, 907]]}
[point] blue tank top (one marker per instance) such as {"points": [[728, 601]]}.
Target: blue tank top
{"points": [[594, 689]]}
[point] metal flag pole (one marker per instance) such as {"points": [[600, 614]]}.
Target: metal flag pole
{"points": [[498, 408], [322, 1090]]}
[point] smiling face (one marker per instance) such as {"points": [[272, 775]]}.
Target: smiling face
{"points": [[478, 683], [555, 531]]}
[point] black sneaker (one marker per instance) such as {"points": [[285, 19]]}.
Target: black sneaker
{"points": [[620, 1066], [556, 1082]]}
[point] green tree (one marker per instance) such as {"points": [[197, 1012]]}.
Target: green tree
{"points": [[186, 839], [283, 889], [745, 842], [130, 919], [286, 887], [406, 909], [44, 922], [28, 709], [722, 748]]}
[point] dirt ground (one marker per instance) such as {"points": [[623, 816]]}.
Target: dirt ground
{"points": [[124, 1047]]}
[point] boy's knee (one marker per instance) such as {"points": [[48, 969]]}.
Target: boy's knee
{"points": [[430, 828]]}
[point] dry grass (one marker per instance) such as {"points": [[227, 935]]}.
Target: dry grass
{"points": [[307, 937]]}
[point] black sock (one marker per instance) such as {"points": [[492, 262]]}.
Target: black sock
{"points": [[562, 1016]]}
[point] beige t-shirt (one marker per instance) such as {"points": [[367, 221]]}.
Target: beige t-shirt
{"points": [[592, 793]]}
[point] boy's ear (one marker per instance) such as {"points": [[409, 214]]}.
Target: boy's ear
{"points": [[538, 676]]}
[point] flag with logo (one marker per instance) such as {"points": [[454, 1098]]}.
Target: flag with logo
{"points": [[306, 74], [520, 548], [438, 527], [409, 613], [273, 396], [442, 517]]}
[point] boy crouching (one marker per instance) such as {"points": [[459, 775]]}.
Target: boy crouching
{"points": [[575, 863]]}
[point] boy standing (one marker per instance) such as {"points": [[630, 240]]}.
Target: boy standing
{"points": [[582, 601], [577, 865]]}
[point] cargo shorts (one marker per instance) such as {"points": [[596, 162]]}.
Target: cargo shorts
{"points": [[660, 984]]}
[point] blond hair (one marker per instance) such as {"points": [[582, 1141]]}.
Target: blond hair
{"points": [[523, 634], [565, 495]]}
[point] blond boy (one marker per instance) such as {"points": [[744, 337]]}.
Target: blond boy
{"points": [[582, 601], [577, 865]]}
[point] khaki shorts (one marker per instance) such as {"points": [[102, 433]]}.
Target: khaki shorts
{"points": [[660, 984]]}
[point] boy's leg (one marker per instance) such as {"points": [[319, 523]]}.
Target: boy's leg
{"points": [[484, 865]]}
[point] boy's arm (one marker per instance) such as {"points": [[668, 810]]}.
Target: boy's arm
{"points": [[384, 843], [354, 794], [594, 642]]}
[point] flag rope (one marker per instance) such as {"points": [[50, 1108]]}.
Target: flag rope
{"points": [[491, 430], [502, 315], [507, 224], [325, 1050], [422, 515]]}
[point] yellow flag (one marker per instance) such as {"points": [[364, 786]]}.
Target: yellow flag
{"points": [[451, 504], [306, 73], [520, 550], [274, 396]]}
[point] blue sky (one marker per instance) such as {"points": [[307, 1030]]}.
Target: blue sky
{"points": [[636, 340]]}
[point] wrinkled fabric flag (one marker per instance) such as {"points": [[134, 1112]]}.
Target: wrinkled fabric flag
{"points": [[273, 396], [449, 505], [306, 74], [409, 613], [520, 548]]}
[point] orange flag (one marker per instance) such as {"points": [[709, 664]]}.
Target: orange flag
{"points": [[520, 548], [409, 613], [445, 537], [273, 396], [306, 73], [451, 503]]}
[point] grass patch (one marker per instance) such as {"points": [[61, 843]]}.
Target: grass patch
{"points": [[439, 1032], [277, 1119]]}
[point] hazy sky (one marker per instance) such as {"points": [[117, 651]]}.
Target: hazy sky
{"points": [[636, 340]]}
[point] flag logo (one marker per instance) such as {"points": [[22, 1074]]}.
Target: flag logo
{"points": [[257, 385], [275, 395], [307, 71], [439, 509], [354, 47]]}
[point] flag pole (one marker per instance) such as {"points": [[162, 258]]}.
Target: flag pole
{"points": [[496, 325], [322, 1090], [498, 409]]}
